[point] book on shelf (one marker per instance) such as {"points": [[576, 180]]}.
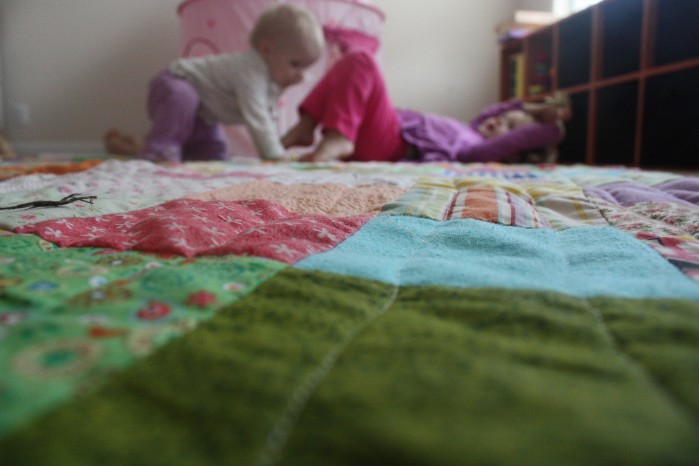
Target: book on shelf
{"points": [[517, 75], [540, 74]]}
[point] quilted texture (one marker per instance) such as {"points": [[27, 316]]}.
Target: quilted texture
{"points": [[223, 313]]}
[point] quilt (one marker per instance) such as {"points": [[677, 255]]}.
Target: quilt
{"points": [[221, 313]]}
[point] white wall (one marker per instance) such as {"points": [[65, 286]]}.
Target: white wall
{"points": [[2, 105], [2, 113], [441, 56], [82, 66], [542, 5]]}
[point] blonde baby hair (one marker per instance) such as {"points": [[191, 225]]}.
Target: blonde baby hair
{"points": [[287, 21]]}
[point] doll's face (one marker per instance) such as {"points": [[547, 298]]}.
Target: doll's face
{"points": [[493, 126], [502, 124]]}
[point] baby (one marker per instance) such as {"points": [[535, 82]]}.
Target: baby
{"points": [[190, 100]]}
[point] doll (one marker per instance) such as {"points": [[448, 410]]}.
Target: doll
{"points": [[555, 108]]}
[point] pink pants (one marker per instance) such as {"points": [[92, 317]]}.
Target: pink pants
{"points": [[352, 99]]}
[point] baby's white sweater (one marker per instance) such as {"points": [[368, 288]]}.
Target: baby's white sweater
{"points": [[236, 88]]}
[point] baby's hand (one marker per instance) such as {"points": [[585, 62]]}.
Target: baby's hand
{"points": [[547, 113], [298, 156], [309, 157], [543, 113]]}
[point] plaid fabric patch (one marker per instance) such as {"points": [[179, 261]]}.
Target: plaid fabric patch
{"points": [[564, 204], [429, 198]]}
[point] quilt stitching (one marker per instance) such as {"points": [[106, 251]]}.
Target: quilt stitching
{"points": [[139, 301], [283, 427]]}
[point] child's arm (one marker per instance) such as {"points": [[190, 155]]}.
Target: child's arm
{"points": [[256, 109], [543, 112], [554, 109], [263, 130]]}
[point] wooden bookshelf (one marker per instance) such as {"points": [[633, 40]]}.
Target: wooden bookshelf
{"points": [[631, 68]]}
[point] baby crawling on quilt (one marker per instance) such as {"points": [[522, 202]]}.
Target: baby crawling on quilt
{"points": [[190, 100]]}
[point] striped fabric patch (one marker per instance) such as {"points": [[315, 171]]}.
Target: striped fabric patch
{"points": [[499, 202], [496, 206]]}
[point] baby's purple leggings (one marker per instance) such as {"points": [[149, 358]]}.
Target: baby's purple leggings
{"points": [[177, 132]]}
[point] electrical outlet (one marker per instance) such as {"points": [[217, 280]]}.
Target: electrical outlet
{"points": [[22, 114]]}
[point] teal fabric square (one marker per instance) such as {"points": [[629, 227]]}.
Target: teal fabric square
{"points": [[584, 261]]}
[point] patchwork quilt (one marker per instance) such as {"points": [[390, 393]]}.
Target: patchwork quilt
{"points": [[237, 313]]}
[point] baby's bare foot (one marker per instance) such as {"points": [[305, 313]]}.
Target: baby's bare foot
{"points": [[117, 143], [333, 146]]}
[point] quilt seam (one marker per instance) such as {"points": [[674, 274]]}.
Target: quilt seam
{"points": [[282, 429]]}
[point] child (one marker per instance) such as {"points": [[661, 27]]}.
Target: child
{"points": [[359, 123], [357, 118], [188, 102]]}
